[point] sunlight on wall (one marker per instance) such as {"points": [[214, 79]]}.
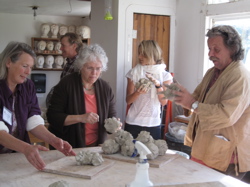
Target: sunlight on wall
{"points": [[220, 1]]}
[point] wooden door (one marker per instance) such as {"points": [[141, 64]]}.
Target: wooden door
{"points": [[151, 27]]}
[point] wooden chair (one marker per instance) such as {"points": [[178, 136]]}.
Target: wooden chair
{"points": [[36, 141], [182, 119], [168, 116]]}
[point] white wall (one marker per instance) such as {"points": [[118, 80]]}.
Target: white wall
{"points": [[104, 33], [186, 45], [190, 36], [16, 27], [114, 36]]}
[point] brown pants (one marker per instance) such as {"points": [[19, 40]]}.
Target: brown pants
{"points": [[231, 172]]}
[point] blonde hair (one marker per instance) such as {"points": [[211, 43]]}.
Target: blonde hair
{"points": [[12, 52], [151, 50]]}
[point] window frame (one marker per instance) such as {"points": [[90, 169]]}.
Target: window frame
{"points": [[210, 20], [213, 2]]}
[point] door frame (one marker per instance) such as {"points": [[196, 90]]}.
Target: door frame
{"points": [[129, 32], [156, 24], [125, 42]]}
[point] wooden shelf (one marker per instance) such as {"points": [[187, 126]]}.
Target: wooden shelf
{"points": [[45, 53], [47, 69], [35, 40], [48, 54]]}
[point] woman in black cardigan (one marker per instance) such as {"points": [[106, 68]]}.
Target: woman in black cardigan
{"points": [[82, 101]]}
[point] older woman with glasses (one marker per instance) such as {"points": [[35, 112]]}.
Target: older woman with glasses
{"points": [[82, 101]]}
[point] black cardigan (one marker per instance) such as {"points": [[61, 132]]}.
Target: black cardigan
{"points": [[68, 99]]}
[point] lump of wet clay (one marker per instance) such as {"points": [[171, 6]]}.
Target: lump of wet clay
{"points": [[112, 124], [144, 83], [88, 158], [154, 150], [110, 146], [127, 149], [168, 93], [162, 146], [144, 137], [60, 183], [121, 136], [97, 159], [123, 142]]}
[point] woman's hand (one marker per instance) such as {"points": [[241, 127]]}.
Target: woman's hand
{"points": [[90, 118], [42, 133], [141, 90], [62, 146], [152, 79], [120, 127], [31, 153]]}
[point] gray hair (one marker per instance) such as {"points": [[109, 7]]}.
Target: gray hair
{"points": [[12, 52], [92, 53], [73, 38], [231, 39]]}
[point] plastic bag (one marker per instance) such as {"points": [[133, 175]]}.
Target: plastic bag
{"points": [[178, 130]]}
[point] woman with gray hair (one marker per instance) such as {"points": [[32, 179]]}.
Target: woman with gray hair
{"points": [[19, 110], [82, 101]]}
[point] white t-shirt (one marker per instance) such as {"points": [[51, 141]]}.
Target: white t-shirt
{"points": [[146, 110]]}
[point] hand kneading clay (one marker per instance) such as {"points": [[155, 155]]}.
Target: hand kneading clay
{"points": [[112, 124], [168, 93], [59, 184], [88, 158], [110, 147], [145, 83]]}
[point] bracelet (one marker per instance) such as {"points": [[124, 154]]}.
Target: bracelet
{"points": [[158, 86]]}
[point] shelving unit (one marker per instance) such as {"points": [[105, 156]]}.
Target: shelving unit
{"points": [[45, 53], [34, 42]]}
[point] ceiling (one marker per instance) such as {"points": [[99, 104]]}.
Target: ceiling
{"points": [[47, 7]]}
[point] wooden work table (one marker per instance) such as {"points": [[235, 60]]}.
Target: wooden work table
{"points": [[16, 171]]}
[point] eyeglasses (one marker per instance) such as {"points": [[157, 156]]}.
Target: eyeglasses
{"points": [[91, 69], [62, 45], [221, 31]]}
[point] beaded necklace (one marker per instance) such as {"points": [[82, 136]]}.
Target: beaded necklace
{"points": [[88, 89]]}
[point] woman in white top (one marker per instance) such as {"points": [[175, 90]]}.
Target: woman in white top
{"points": [[144, 113]]}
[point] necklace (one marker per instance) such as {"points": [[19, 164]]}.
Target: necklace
{"points": [[88, 89]]}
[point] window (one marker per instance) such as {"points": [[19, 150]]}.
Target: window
{"points": [[220, 1], [242, 24]]}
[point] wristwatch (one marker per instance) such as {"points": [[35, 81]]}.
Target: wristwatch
{"points": [[194, 106], [158, 86]]}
